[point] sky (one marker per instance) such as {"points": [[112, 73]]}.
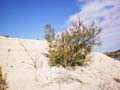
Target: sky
{"points": [[26, 18]]}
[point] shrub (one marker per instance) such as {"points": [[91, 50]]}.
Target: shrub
{"points": [[49, 33], [71, 47], [3, 83]]}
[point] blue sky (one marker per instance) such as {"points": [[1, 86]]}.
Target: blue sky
{"points": [[26, 18]]}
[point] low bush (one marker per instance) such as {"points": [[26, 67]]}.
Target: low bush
{"points": [[71, 47]]}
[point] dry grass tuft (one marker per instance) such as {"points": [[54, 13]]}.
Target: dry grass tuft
{"points": [[3, 81]]}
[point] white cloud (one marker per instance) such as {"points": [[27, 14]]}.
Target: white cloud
{"points": [[105, 13]]}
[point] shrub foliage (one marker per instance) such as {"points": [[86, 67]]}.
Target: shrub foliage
{"points": [[71, 47], [3, 82]]}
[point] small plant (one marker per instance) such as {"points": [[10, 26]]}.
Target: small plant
{"points": [[3, 82], [71, 47], [34, 62]]}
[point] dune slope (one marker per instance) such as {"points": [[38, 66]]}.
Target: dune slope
{"points": [[26, 66]]}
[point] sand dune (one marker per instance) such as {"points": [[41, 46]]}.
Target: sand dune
{"points": [[18, 58]]}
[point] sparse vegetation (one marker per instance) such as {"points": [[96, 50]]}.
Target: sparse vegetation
{"points": [[108, 85], [5, 35], [71, 47], [33, 63], [113, 54], [117, 76], [49, 33], [3, 81]]}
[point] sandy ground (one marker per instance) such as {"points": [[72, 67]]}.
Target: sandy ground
{"points": [[26, 66]]}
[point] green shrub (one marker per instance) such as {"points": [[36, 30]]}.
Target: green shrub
{"points": [[3, 83], [71, 47]]}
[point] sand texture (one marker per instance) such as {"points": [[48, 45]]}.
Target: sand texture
{"points": [[26, 65]]}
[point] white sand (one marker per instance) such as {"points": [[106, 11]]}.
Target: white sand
{"points": [[16, 56]]}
